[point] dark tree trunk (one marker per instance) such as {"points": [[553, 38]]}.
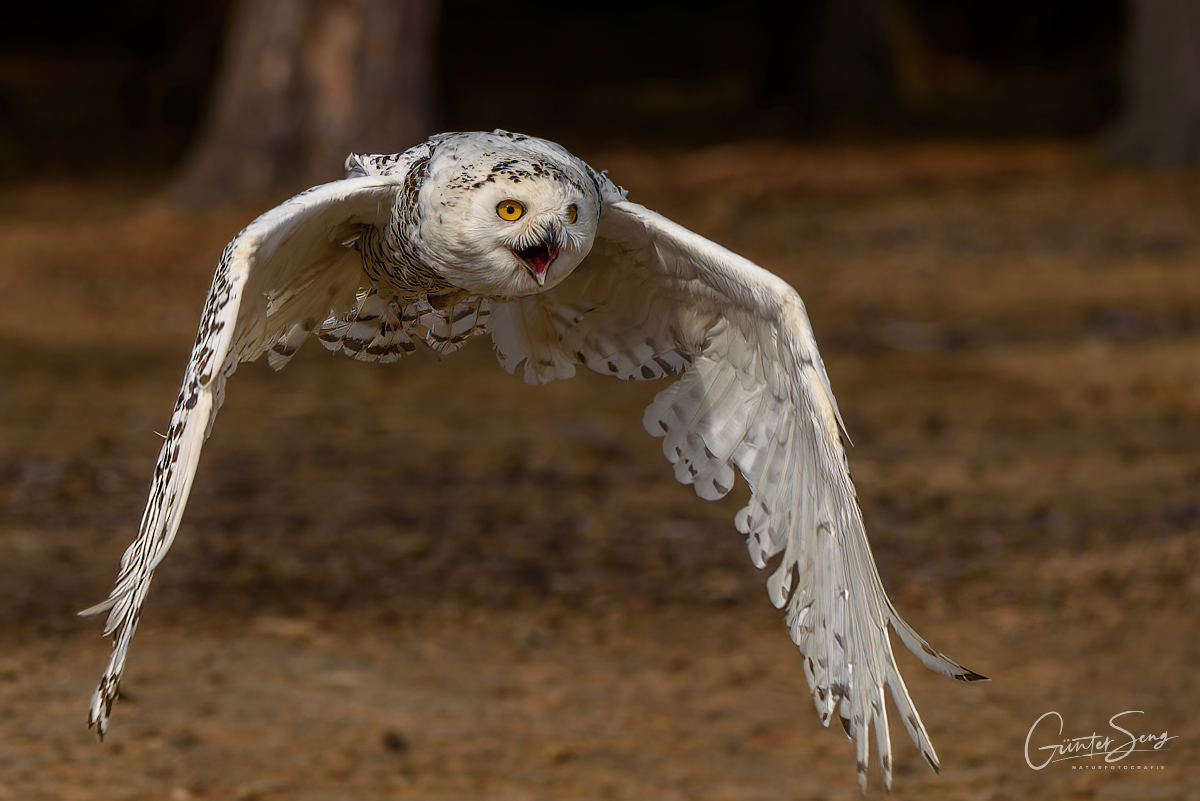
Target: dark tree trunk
{"points": [[302, 84], [829, 59], [1160, 124], [850, 62]]}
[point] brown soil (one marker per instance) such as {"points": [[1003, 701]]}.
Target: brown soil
{"points": [[430, 581]]}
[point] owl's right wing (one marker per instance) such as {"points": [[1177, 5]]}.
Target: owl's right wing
{"points": [[752, 397], [278, 280]]}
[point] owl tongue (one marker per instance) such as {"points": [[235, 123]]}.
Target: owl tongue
{"points": [[539, 256]]}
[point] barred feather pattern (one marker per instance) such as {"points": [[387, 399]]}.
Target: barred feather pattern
{"points": [[384, 329], [270, 288]]}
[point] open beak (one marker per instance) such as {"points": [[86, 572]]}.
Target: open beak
{"points": [[538, 258]]}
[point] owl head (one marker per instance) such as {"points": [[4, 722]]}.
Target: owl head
{"points": [[506, 215]]}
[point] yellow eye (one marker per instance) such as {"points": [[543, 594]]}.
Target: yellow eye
{"points": [[572, 213], [510, 210]]}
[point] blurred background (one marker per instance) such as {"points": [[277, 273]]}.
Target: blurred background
{"points": [[145, 83], [427, 580]]}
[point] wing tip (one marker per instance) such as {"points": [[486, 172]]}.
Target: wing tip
{"points": [[101, 707], [99, 608], [932, 658]]}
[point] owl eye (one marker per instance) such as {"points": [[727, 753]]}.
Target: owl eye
{"points": [[572, 213], [510, 210]]}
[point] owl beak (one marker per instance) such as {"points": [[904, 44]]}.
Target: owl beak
{"points": [[538, 258]]}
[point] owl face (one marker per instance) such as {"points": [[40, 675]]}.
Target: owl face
{"points": [[507, 221]]}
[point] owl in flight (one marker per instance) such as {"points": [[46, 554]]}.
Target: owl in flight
{"points": [[512, 237]]}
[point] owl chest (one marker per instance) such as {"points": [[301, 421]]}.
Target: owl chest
{"points": [[396, 267]]}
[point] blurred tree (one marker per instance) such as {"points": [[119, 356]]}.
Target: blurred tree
{"points": [[302, 83], [849, 63], [1160, 124], [829, 59]]}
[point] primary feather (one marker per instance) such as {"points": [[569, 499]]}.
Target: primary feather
{"points": [[470, 234]]}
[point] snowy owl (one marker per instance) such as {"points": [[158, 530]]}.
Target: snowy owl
{"points": [[476, 234]]}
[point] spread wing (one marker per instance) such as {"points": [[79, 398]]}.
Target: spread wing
{"points": [[754, 396], [283, 276]]}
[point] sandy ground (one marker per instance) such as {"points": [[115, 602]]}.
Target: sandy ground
{"points": [[429, 581]]}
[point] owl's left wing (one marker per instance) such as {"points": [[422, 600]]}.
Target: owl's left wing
{"points": [[754, 396]]}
